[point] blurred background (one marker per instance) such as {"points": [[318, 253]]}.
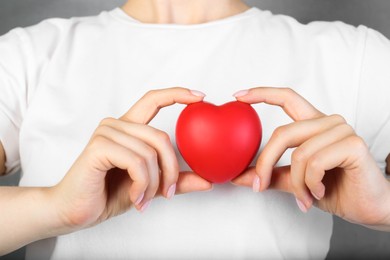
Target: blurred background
{"points": [[348, 240]]}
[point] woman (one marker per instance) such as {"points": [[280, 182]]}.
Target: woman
{"points": [[66, 85]]}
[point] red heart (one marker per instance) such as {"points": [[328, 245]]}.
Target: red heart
{"points": [[218, 142]]}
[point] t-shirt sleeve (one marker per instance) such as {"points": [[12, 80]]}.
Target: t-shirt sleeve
{"points": [[25, 54], [14, 63], [373, 103]]}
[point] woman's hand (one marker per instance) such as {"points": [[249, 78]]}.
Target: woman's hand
{"points": [[330, 167], [126, 163]]}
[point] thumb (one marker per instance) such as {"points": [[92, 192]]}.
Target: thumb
{"points": [[190, 182], [280, 179]]}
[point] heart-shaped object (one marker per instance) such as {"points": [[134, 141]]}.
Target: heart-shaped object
{"points": [[218, 142]]}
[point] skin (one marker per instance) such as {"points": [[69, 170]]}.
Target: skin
{"points": [[182, 11], [2, 160], [127, 163], [331, 166]]}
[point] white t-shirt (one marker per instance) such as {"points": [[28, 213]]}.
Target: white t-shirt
{"points": [[59, 78]]}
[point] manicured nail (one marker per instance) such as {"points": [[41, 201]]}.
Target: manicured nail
{"points": [[198, 93], [171, 191], [256, 184], [139, 199], [241, 93], [145, 206], [315, 196], [301, 206]]}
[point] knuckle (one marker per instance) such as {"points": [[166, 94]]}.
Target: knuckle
{"points": [[314, 163], [151, 155], [100, 134], [289, 91], [163, 137], [357, 142], [97, 146], [177, 88], [98, 140], [346, 128], [338, 118], [107, 121], [299, 155], [102, 130], [279, 132], [150, 93], [142, 180], [139, 163]]}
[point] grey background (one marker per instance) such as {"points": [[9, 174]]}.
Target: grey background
{"points": [[348, 240]]}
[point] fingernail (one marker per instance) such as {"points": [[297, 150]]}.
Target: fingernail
{"points": [[139, 199], [145, 206], [319, 193], [241, 93], [301, 206], [198, 93], [315, 196], [256, 184], [171, 191]]}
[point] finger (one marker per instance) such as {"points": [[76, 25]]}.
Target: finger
{"points": [[289, 136], [347, 153], [280, 178], [108, 155], [291, 102], [148, 106], [161, 143], [246, 178], [303, 185], [143, 150], [191, 182]]}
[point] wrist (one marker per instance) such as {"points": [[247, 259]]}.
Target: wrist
{"points": [[58, 222], [387, 221], [384, 223], [47, 217]]}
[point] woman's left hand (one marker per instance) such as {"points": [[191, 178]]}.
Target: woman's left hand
{"points": [[330, 167]]}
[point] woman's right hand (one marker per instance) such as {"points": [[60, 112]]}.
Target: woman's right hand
{"points": [[126, 163]]}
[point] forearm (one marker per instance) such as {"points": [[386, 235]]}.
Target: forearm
{"points": [[27, 215]]}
